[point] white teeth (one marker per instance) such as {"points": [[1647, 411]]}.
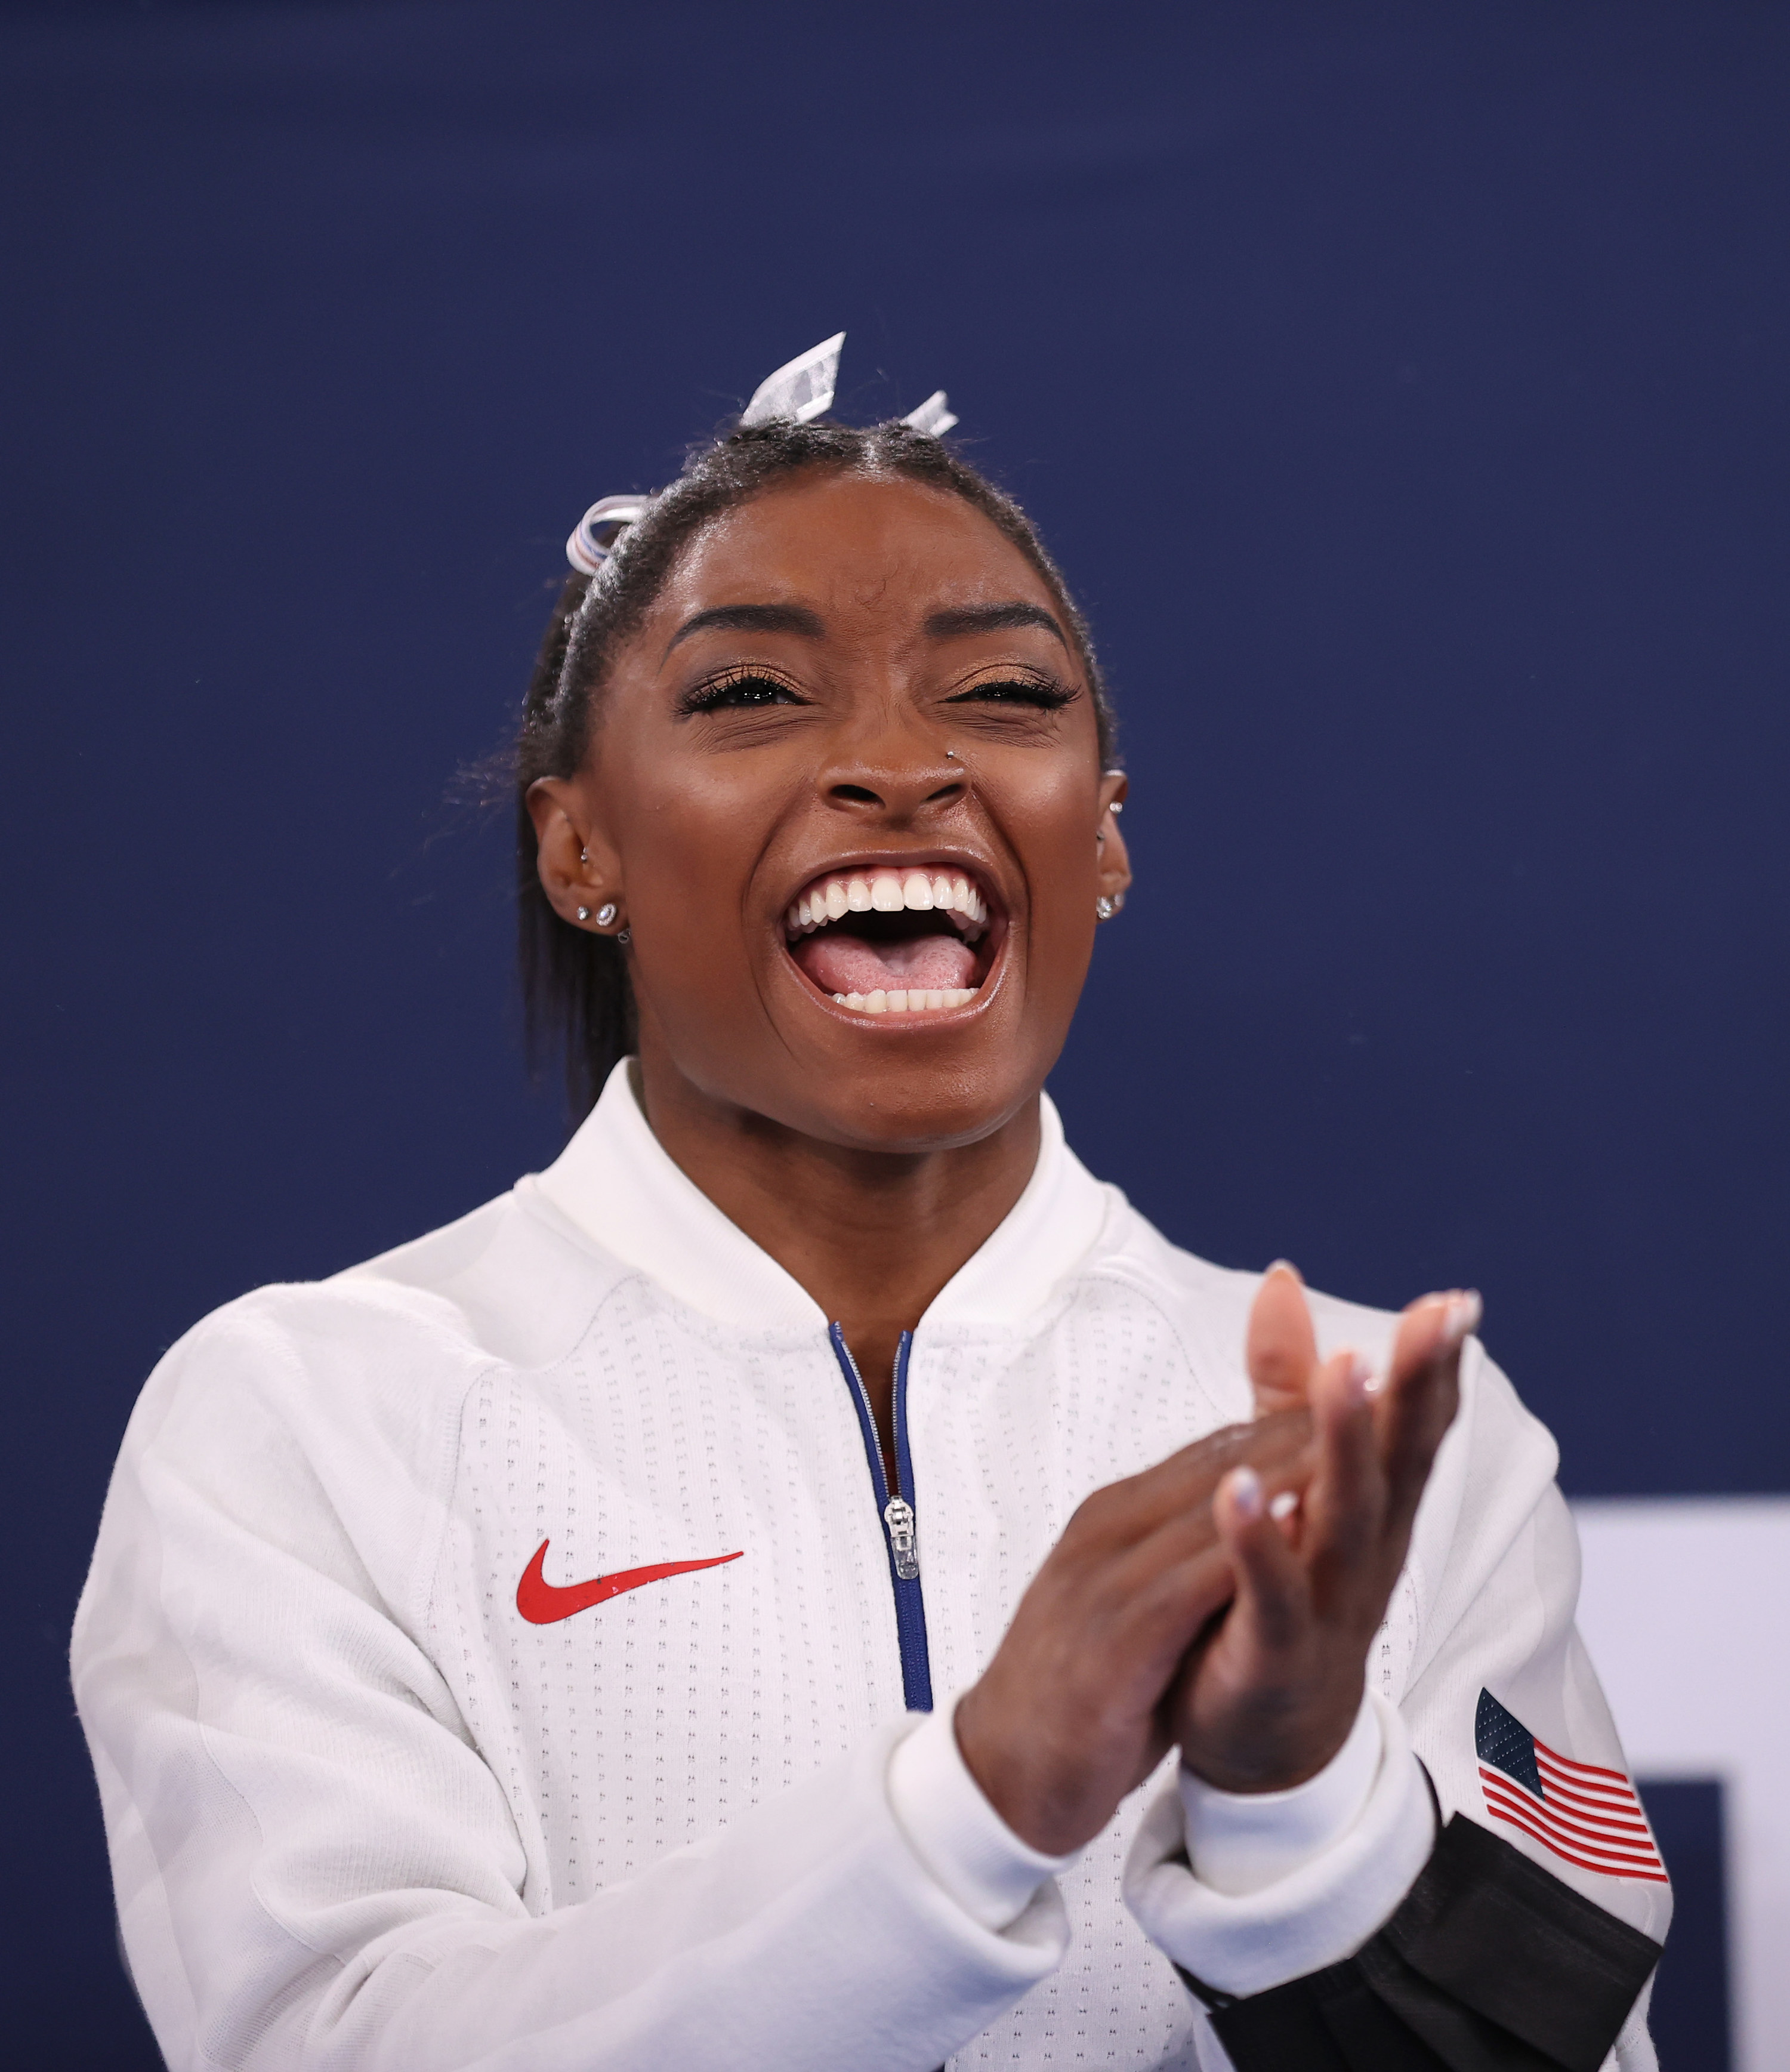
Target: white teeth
{"points": [[913, 1002], [833, 898]]}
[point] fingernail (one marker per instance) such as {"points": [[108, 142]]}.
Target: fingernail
{"points": [[1246, 1494], [1283, 1506], [1461, 1317], [1358, 1377], [1284, 1266]]}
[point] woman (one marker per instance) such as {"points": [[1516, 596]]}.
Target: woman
{"points": [[813, 1579]]}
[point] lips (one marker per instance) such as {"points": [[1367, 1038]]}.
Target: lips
{"points": [[887, 940]]}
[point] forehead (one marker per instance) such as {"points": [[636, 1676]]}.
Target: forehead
{"points": [[853, 544]]}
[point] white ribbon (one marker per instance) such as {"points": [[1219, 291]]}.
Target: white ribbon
{"points": [[932, 418], [801, 389], [584, 550]]}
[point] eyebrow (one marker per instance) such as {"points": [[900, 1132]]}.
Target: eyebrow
{"points": [[798, 619], [993, 618], [751, 619]]}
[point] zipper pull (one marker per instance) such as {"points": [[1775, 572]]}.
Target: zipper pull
{"points": [[898, 1516]]}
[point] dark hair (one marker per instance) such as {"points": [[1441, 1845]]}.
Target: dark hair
{"points": [[575, 983]]}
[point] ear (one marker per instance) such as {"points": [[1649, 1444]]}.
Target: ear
{"points": [[1281, 1348], [577, 864], [1115, 866]]}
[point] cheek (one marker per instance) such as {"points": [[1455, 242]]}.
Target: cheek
{"points": [[1056, 818], [689, 851], [1056, 813]]}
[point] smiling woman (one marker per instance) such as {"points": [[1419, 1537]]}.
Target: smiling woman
{"points": [[927, 556], [813, 1580]]}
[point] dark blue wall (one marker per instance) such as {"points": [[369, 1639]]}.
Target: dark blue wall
{"points": [[1404, 386]]}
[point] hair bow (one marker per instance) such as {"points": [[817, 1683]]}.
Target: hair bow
{"points": [[801, 389]]}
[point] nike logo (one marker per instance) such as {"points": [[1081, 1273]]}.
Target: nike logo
{"points": [[543, 1603]]}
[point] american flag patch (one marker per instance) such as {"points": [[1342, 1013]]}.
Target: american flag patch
{"points": [[1590, 1816]]}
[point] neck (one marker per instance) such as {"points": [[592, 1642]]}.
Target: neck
{"points": [[872, 1235]]}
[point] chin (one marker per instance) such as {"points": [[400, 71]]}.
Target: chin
{"points": [[918, 1109]]}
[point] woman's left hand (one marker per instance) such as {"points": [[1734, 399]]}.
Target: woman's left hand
{"points": [[1270, 1697]]}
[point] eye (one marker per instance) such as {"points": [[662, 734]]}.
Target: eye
{"points": [[740, 690], [1039, 692]]}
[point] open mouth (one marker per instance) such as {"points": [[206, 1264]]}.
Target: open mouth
{"points": [[880, 940]]}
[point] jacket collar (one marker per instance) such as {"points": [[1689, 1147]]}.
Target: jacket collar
{"points": [[617, 1184]]}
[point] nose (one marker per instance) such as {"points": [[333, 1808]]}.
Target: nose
{"points": [[899, 776]]}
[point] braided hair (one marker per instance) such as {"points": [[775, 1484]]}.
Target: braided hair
{"points": [[576, 990]]}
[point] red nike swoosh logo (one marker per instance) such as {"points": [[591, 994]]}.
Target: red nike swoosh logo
{"points": [[542, 1603]]}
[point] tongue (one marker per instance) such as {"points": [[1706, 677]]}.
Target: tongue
{"points": [[839, 963]]}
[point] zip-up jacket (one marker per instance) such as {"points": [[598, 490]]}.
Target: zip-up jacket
{"points": [[514, 1653]]}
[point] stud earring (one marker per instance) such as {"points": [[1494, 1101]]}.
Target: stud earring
{"points": [[584, 913], [584, 856], [1104, 907], [606, 913]]}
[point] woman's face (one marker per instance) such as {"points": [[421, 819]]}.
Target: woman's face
{"points": [[850, 752]]}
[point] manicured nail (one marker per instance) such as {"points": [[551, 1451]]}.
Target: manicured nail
{"points": [[1246, 1494], [1283, 1506], [1461, 1317], [1358, 1376], [1284, 1266]]}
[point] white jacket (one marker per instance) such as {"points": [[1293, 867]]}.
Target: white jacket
{"points": [[364, 1813]]}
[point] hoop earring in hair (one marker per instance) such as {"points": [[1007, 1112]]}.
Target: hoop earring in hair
{"points": [[606, 913]]}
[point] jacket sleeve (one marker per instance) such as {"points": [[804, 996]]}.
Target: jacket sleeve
{"points": [[315, 1868], [1523, 1933]]}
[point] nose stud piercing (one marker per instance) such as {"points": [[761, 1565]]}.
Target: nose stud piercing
{"points": [[606, 913]]}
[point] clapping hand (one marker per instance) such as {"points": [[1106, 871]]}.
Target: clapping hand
{"points": [[1226, 1599]]}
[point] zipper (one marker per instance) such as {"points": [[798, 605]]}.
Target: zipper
{"points": [[900, 1528]]}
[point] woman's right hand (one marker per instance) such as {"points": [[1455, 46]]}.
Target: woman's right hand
{"points": [[1071, 1714]]}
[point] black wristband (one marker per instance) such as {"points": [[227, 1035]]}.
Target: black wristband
{"points": [[1490, 1965]]}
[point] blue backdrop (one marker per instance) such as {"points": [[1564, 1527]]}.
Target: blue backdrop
{"points": [[1404, 387]]}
